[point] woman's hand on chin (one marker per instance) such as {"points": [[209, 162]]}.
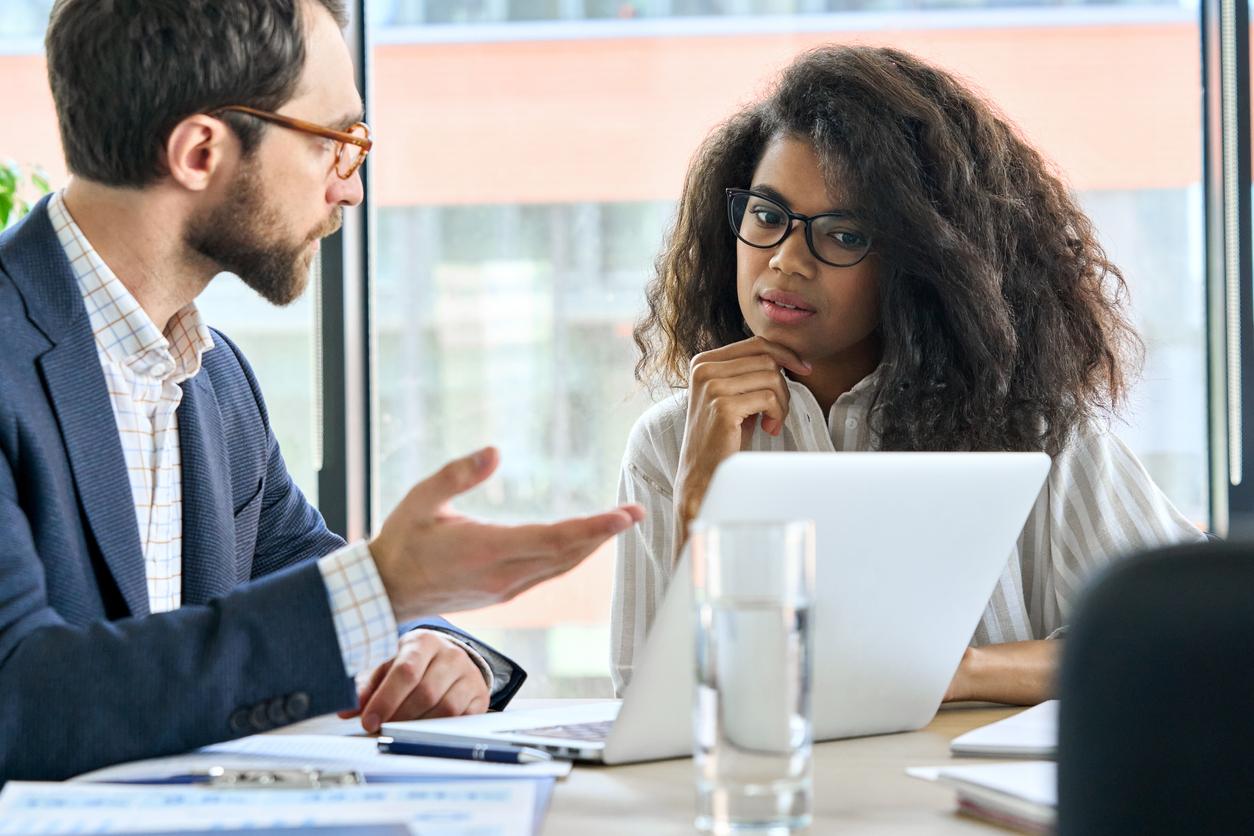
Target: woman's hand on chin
{"points": [[728, 389]]}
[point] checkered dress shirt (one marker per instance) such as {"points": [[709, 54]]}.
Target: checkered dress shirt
{"points": [[143, 368]]}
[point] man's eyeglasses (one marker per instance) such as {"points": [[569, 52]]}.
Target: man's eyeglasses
{"points": [[764, 222], [351, 147]]}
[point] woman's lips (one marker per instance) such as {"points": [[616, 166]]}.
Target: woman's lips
{"points": [[783, 313]]}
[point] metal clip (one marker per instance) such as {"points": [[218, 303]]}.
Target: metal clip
{"points": [[303, 778]]}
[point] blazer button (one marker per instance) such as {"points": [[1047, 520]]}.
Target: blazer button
{"points": [[239, 722], [275, 713], [257, 717], [298, 705]]}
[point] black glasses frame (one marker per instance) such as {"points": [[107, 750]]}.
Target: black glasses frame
{"points": [[805, 220]]}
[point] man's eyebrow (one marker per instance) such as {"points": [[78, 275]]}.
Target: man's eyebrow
{"points": [[346, 122]]}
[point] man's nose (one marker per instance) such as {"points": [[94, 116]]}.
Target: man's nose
{"points": [[348, 192]]}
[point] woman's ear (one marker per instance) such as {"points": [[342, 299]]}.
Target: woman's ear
{"points": [[197, 149]]}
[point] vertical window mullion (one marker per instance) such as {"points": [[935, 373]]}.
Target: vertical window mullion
{"points": [[344, 315], [1226, 71]]}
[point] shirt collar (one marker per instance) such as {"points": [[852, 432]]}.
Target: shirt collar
{"points": [[124, 332], [861, 395], [863, 392]]}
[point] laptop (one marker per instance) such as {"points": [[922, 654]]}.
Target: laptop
{"points": [[908, 549]]}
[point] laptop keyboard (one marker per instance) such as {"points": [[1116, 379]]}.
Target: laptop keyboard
{"points": [[593, 732]]}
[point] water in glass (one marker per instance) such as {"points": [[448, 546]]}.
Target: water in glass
{"points": [[752, 715]]}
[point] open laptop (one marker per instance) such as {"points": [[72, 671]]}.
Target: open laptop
{"points": [[908, 549]]}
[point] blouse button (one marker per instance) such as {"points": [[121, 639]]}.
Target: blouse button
{"points": [[851, 423]]}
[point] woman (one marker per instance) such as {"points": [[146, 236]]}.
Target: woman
{"points": [[873, 259]]}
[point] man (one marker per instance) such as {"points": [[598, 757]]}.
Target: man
{"points": [[163, 583]]}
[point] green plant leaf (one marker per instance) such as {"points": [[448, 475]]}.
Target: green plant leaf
{"points": [[16, 185]]}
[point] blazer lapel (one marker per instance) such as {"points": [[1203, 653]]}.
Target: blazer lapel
{"points": [[81, 400], [208, 514], [35, 261]]}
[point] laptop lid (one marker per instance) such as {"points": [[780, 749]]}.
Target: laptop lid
{"points": [[908, 549]]}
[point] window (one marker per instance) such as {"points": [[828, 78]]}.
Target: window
{"points": [[529, 158]]}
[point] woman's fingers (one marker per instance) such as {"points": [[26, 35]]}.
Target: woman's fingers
{"points": [[709, 370], [781, 355], [717, 379], [753, 382], [731, 411], [730, 389]]}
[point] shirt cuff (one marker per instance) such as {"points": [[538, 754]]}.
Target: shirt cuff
{"points": [[475, 656], [364, 623]]}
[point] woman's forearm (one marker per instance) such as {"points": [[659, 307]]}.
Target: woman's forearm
{"points": [[1017, 673]]}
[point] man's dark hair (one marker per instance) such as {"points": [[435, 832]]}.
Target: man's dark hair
{"points": [[124, 73]]}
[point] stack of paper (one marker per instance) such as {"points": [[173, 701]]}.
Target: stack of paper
{"points": [[1032, 733], [444, 808], [517, 792], [1021, 795]]}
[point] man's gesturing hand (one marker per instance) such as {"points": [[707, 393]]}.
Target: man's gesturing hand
{"points": [[431, 559]]}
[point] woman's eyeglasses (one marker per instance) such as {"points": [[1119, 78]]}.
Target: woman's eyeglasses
{"points": [[351, 147], [764, 222]]}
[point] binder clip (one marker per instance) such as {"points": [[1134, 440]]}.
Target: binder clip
{"points": [[303, 778]]}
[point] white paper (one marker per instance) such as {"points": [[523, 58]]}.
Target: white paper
{"points": [[264, 751], [1035, 782], [324, 724], [444, 808], [1032, 733], [1023, 794]]}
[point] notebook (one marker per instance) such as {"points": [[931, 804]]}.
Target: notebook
{"points": [[1022, 796], [1032, 733]]}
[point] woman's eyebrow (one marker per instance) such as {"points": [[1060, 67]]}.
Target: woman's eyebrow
{"points": [[775, 195], [770, 192]]}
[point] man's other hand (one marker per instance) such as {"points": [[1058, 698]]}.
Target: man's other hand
{"points": [[430, 676]]}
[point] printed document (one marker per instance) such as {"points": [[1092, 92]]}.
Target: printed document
{"points": [[438, 808]]}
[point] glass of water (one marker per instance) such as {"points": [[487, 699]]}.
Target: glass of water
{"points": [[753, 585]]}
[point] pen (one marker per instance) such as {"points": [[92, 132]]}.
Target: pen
{"points": [[496, 753]]}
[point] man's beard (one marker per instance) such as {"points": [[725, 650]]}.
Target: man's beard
{"points": [[233, 235]]}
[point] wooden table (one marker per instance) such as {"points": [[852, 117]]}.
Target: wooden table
{"points": [[860, 786]]}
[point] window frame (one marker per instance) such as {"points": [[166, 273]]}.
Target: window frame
{"points": [[343, 338], [1225, 38]]}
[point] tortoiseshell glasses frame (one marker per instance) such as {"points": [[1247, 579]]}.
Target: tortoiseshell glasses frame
{"points": [[353, 145]]}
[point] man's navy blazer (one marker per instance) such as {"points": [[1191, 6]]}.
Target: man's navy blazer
{"points": [[88, 676]]}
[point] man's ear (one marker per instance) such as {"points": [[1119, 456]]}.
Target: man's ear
{"points": [[197, 149]]}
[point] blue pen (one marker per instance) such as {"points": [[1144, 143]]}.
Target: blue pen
{"points": [[496, 753]]}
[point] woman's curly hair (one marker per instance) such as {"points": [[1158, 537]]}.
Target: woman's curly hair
{"points": [[1002, 320]]}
